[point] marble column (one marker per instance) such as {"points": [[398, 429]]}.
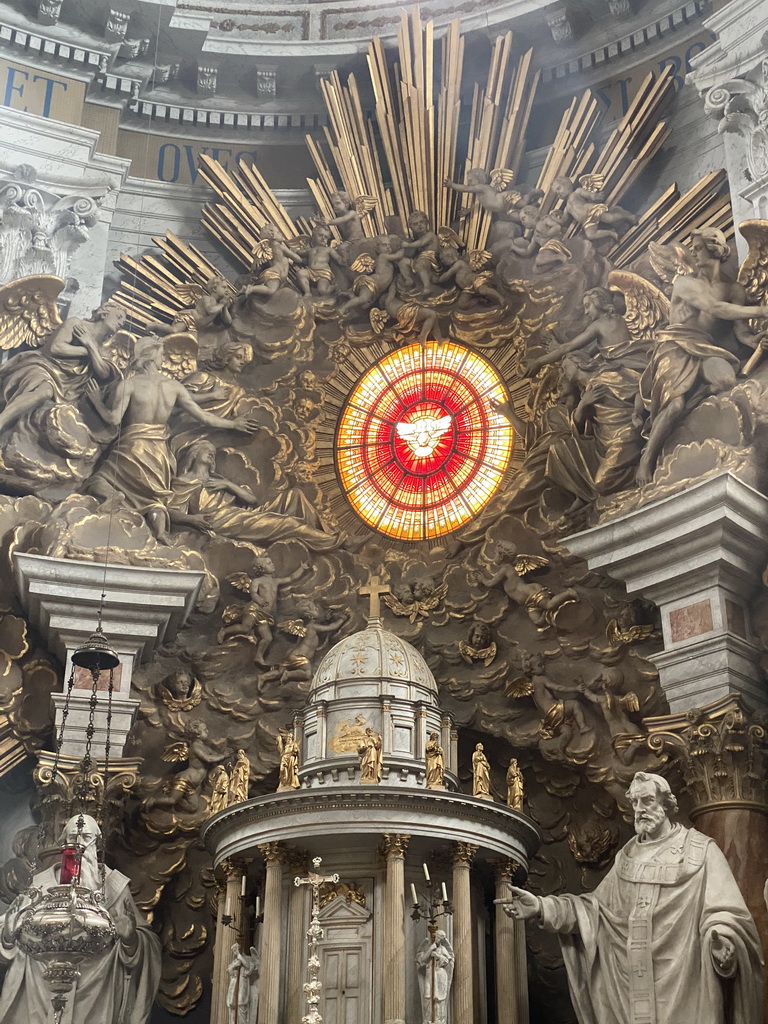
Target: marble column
{"points": [[511, 962], [229, 929], [722, 751], [271, 934], [298, 902], [393, 848], [463, 991]]}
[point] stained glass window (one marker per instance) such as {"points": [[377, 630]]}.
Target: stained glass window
{"points": [[419, 448]]}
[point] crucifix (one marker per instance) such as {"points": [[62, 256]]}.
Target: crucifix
{"points": [[373, 589], [314, 986]]}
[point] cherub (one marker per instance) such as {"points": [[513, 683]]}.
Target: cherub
{"points": [[625, 630], [423, 246], [209, 305], [408, 316], [538, 601], [602, 691], [468, 274], [277, 256], [348, 212], [297, 666], [415, 600], [544, 228], [319, 256], [586, 204], [558, 704], [479, 645], [493, 191], [376, 274], [257, 616], [181, 792]]}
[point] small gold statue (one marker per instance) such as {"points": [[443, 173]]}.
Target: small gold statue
{"points": [[289, 761], [481, 775], [370, 754], [219, 779], [435, 758], [514, 786], [238, 780]]}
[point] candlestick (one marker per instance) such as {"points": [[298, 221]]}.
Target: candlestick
{"points": [[242, 887], [445, 894], [415, 897], [258, 906], [426, 873]]}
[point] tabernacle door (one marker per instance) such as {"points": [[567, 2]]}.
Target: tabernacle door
{"points": [[346, 963]]}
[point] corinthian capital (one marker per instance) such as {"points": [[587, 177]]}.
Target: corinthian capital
{"points": [[722, 750], [394, 845], [463, 854], [274, 853]]}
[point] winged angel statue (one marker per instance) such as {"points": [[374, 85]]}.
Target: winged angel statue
{"points": [[699, 332]]}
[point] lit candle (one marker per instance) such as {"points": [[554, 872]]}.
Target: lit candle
{"points": [[445, 894], [426, 873], [242, 887], [415, 897]]}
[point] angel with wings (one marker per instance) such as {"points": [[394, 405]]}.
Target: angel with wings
{"points": [[375, 273], [297, 665], [257, 616], [272, 260], [494, 191], [416, 600], [348, 214], [585, 202], [707, 318], [320, 254], [562, 716], [468, 274], [409, 316], [538, 601], [182, 791], [65, 355]]}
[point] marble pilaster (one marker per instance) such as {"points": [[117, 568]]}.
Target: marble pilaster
{"points": [[463, 985], [698, 555], [220, 949], [271, 934], [394, 848], [511, 966]]}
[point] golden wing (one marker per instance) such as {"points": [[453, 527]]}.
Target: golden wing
{"points": [[379, 318], [179, 355], [434, 599], [189, 293], [647, 305], [120, 348], [364, 264], [528, 563], [300, 243], [294, 626], [753, 273], [364, 204], [629, 702], [478, 258], [502, 178], [669, 260], [263, 252], [592, 182], [511, 200], [240, 581], [28, 310], [520, 687], [448, 237], [176, 752], [395, 606]]}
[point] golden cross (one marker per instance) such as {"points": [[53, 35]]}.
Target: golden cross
{"points": [[374, 589]]}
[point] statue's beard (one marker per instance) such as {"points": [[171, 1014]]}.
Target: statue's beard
{"points": [[648, 821]]}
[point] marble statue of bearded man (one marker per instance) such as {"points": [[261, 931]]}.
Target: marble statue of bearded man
{"points": [[116, 988], [666, 937]]}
